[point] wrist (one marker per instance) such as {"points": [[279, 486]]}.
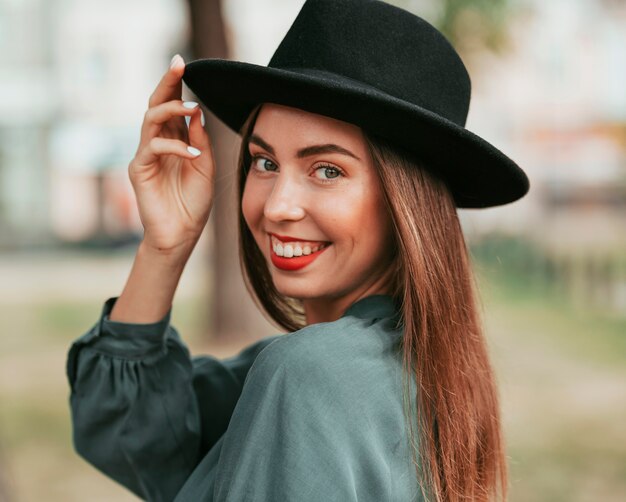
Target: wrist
{"points": [[177, 255]]}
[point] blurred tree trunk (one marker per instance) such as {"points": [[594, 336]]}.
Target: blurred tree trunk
{"points": [[233, 315]]}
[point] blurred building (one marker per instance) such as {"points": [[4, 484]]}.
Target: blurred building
{"points": [[556, 104], [76, 77], [28, 101]]}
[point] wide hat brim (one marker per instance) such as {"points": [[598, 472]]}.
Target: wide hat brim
{"points": [[477, 173]]}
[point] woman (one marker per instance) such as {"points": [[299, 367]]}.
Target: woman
{"points": [[354, 158]]}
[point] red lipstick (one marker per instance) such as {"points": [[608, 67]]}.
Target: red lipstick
{"points": [[295, 263], [285, 238]]}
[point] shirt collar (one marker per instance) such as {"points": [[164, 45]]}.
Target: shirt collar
{"points": [[373, 306]]}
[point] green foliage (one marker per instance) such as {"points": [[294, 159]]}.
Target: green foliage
{"points": [[481, 22], [469, 25]]}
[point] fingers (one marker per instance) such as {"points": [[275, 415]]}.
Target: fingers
{"points": [[170, 86], [158, 146], [157, 115], [164, 104], [198, 136]]}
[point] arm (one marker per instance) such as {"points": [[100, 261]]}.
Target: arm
{"points": [[134, 409], [152, 282], [144, 412]]}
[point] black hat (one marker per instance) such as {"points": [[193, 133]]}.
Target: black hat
{"points": [[381, 68]]}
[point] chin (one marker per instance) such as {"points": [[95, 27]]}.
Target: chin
{"points": [[291, 287]]}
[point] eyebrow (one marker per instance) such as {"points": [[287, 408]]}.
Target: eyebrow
{"points": [[306, 151]]}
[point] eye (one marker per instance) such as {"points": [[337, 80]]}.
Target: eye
{"points": [[327, 172], [267, 167]]}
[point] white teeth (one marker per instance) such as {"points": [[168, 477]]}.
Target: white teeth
{"points": [[291, 249]]}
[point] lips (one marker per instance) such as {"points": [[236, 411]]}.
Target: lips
{"points": [[297, 262], [286, 238]]}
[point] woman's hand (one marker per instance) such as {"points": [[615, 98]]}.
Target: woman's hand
{"points": [[174, 187]]}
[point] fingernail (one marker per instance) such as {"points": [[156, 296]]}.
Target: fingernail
{"points": [[190, 104], [193, 151], [202, 118], [187, 120], [174, 60]]}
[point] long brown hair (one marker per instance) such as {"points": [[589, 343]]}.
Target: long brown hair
{"points": [[458, 450]]}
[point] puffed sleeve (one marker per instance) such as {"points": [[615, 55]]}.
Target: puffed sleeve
{"points": [[143, 411]]}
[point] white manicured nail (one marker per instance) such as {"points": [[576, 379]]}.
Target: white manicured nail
{"points": [[173, 61], [187, 120], [202, 121], [190, 104], [193, 151]]}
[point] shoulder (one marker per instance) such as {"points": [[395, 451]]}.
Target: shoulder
{"points": [[310, 346], [341, 357]]}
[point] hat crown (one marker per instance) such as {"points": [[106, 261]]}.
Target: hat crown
{"points": [[382, 46]]}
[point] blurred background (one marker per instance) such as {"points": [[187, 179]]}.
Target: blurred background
{"points": [[548, 88]]}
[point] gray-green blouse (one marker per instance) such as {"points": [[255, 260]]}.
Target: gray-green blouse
{"points": [[310, 416]]}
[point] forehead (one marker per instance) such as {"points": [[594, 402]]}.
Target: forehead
{"points": [[284, 125]]}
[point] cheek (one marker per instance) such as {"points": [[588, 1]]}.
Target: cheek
{"points": [[363, 215], [375, 228], [383, 223], [373, 224], [252, 205]]}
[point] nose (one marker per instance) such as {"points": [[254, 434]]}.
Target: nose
{"points": [[285, 201]]}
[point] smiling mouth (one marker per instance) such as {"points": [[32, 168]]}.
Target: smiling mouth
{"points": [[294, 255], [296, 248]]}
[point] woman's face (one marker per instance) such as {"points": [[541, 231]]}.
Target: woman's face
{"points": [[312, 183]]}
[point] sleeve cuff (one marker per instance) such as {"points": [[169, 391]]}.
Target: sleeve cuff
{"points": [[128, 340], [119, 339]]}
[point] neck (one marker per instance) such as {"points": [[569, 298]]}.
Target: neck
{"points": [[328, 309]]}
